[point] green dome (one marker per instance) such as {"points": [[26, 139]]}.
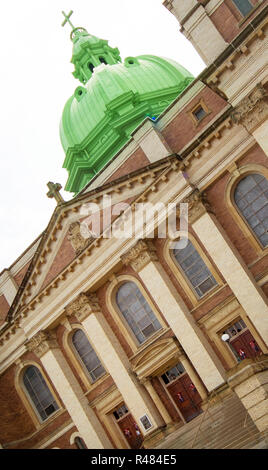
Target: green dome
{"points": [[116, 97]]}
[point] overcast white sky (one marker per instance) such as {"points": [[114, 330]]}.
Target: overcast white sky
{"points": [[36, 81]]}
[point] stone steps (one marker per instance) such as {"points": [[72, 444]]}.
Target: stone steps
{"points": [[222, 427]]}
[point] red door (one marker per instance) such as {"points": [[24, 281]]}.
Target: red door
{"points": [[246, 346], [186, 397], [131, 431]]}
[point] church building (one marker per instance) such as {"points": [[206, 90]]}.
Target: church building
{"points": [[139, 317]]}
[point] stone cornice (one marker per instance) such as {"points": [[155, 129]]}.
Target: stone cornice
{"points": [[140, 255], [197, 205], [83, 306], [252, 111], [42, 342]]}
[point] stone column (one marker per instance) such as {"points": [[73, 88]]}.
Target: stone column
{"points": [[157, 400], [194, 377], [113, 357], [249, 380], [143, 259], [229, 262], [252, 113], [44, 345]]}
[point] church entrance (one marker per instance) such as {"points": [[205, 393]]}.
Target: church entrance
{"points": [[242, 342], [183, 392], [128, 427]]}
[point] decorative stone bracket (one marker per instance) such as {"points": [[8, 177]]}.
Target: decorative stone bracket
{"points": [[42, 342], [140, 255], [83, 305], [252, 111], [197, 205]]}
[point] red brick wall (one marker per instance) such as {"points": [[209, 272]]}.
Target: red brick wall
{"points": [[13, 410], [64, 256], [20, 275], [4, 308], [63, 442], [216, 197], [229, 21], [182, 129], [137, 160]]}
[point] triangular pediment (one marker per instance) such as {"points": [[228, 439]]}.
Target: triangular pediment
{"points": [[64, 241]]}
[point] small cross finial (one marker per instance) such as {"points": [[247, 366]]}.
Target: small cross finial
{"points": [[67, 19], [54, 191]]}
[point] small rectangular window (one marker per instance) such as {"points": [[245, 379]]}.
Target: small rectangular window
{"points": [[244, 6], [199, 113], [146, 423]]}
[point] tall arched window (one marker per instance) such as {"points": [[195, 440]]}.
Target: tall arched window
{"points": [[87, 355], [136, 311], [251, 198], [194, 268], [40, 395]]}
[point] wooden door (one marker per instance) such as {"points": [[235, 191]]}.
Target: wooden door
{"points": [[131, 431], [186, 397], [245, 345]]}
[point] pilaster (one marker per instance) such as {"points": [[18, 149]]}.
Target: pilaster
{"points": [[143, 258], [232, 266], [252, 113], [114, 359], [45, 346]]}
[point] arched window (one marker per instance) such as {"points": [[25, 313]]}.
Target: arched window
{"points": [[136, 311], [102, 60], [194, 268], [40, 395], [87, 355], [80, 443], [251, 198]]}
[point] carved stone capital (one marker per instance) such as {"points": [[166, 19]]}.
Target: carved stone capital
{"points": [[83, 305], [197, 205], [140, 255], [77, 241], [42, 342], [252, 111]]}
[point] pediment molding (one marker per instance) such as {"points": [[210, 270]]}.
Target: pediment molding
{"points": [[150, 361]]}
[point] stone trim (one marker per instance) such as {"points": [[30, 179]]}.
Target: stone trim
{"points": [[42, 342], [252, 111], [140, 255]]}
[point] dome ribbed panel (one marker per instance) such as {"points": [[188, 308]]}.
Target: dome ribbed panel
{"points": [[109, 82]]}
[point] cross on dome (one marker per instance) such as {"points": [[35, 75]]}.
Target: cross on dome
{"points": [[67, 19]]}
